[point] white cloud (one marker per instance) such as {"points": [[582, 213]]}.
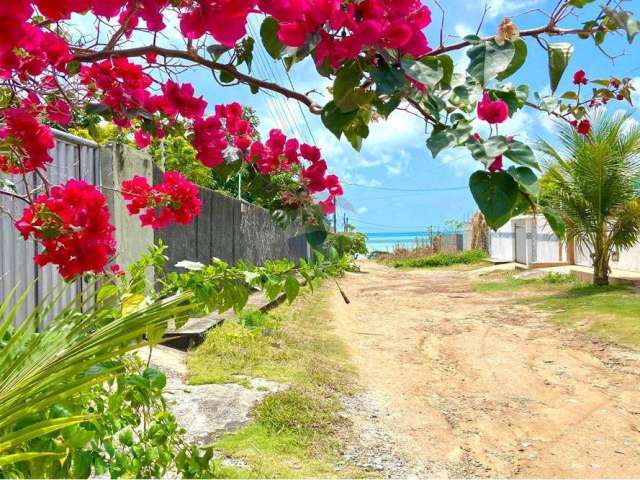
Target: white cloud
{"points": [[389, 145], [503, 8], [635, 82], [362, 210]]}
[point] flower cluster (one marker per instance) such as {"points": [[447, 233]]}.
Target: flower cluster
{"points": [[28, 140], [72, 224], [26, 50], [280, 154], [123, 86], [347, 30], [213, 135], [174, 200]]}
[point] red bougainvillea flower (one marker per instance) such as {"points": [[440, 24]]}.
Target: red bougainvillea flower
{"points": [[580, 78], [492, 111], [583, 127], [59, 112], [496, 165], [225, 20], [72, 225], [28, 140], [143, 139], [174, 200], [328, 206]]}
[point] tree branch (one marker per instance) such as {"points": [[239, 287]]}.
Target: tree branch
{"points": [[550, 29], [89, 56]]}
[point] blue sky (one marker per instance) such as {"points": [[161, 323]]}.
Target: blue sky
{"points": [[395, 156]]}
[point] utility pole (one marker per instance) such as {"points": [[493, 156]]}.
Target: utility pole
{"points": [[335, 218], [240, 185]]}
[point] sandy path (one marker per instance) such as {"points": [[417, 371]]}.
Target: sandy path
{"points": [[473, 385]]}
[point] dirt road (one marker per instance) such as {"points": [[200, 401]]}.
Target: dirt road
{"points": [[471, 384]]}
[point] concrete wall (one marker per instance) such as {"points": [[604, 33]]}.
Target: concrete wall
{"points": [[501, 243], [627, 259], [545, 246], [231, 230], [118, 163], [542, 245]]}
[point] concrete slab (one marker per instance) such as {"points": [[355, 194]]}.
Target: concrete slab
{"points": [[207, 411]]}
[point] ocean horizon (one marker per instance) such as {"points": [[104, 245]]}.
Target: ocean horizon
{"points": [[387, 241]]}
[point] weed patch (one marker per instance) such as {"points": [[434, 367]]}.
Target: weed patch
{"points": [[294, 432], [442, 260]]}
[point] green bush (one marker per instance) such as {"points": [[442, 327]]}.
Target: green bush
{"points": [[443, 260], [351, 243]]}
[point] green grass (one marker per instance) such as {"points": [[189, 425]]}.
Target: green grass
{"points": [[507, 282], [442, 260], [608, 313], [294, 432]]}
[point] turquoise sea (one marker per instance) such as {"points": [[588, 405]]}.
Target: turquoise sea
{"points": [[386, 241]]}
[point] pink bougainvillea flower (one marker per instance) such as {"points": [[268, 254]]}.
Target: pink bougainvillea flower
{"points": [[583, 127], [580, 78], [492, 111], [72, 225], [328, 206], [59, 111], [496, 165], [176, 199], [143, 139]]}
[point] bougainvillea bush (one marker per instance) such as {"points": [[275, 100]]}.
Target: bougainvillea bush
{"points": [[380, 55]]}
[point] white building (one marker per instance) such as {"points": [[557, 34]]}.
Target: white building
{"points": [[529, 240]]}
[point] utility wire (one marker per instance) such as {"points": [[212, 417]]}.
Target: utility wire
{"points": [[390, 189]]}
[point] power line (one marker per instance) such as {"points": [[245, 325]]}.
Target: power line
{"points": [[442, 189]]}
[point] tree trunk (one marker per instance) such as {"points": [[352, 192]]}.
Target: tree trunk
{"points": [[601, 269]]}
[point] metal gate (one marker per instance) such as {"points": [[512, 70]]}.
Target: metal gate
{"points": [[520, 243]]}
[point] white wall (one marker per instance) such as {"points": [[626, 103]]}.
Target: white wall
{"points": [[546, 248], [501, 243], [629, 259]]}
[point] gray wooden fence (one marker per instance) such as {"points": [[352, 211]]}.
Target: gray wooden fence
{"points": [[227, 228], [73, 158]]}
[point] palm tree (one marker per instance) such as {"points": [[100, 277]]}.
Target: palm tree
{"points": [[592, 182]]}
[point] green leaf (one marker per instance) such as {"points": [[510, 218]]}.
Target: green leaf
{"points": [[346, 94], [106, 292], [336, 120], [522, 154], [427, 71], [519, 57], [624, 20], [559, 56], [217, 50], [487, 151], [291, 288], [316, 238], [555, 222], [488, 59], [388, 80], [496, 195], [580, 3], [449, 137], [269, 36], [26, 457], [73, 67], [526, 178], [157, 379]]}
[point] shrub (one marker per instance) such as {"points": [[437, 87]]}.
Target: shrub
{"points": [[351, 243], [444, 259]]}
